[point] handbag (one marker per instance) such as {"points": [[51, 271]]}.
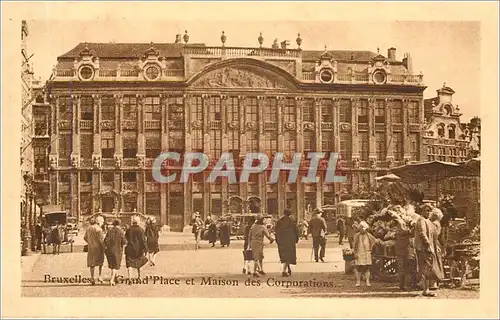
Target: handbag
{"points": [[86, 248]]}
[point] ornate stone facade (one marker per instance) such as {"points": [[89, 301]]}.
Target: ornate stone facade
{"points": [[236, 103]]}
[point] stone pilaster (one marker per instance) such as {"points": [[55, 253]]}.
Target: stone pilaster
{"points": [[389, 142], [371, 131], [141, 139], [96, 155], [406, 131], [354, 127], [243, 189], [118, 128]]}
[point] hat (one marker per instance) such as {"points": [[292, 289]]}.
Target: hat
{"points": [[134, 220], [259, 216], [436, 214], [363, 225], [287, 212], [99, 220], [318, 211]]}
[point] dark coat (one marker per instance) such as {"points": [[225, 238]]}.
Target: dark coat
{"points": [[113, 243], [225, 234], [247, 231], [152, 235], [136, 247], [317, 226], [287, 236], [211, 228]]}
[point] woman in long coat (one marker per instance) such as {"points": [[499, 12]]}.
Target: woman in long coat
{"points": [[95, 254], [211, 228], [427, 246], [113, 244], [225, 233], [256, 240], [152, 235], [136, 248], [286, 237]]}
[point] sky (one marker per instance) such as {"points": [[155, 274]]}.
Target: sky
{"points": [[445, 52]]}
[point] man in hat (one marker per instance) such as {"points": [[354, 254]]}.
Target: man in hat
{"points": [[317, 229]]}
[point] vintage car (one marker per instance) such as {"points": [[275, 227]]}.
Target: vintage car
{"points": [[72, 225], [53, 220]]}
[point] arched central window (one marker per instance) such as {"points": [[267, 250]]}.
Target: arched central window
{"points": [[451, 131], [441, 130]]}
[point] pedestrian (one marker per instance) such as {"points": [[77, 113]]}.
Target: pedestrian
{"points": [[363, 244], [304, 226], [113, 247], [340, 229], [350, 231], [247, 252], [197, 226], [94, 237], [38, 235], [211, 230], [225, 233], [152, 235], [287, 237], [405, 255], [136, 248], [317, 229], [435, 216], [256, 240], [56, 237], [426, 247]]}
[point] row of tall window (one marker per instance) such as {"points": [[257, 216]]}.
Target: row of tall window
{"points": [[270, 143], [152, 109]]}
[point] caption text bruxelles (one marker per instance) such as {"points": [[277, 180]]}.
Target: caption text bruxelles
{"points": [[204, 281]]}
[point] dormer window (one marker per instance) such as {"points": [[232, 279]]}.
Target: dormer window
{"points": [[152, 72], [379, 77], [86, 73], [447, 110], [326, 76]]}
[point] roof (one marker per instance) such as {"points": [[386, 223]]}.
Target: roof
{"points": [[172, 50], [342, 55], [128, 50]]}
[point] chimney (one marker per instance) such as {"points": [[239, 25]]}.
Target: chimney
{"points": [[391, 53], [407, 63], [178, 38]]}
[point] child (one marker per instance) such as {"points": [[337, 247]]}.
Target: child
{"points": [[363, 244], [247, 254]]}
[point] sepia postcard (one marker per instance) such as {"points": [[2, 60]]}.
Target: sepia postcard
{"points": [[227, 159]]}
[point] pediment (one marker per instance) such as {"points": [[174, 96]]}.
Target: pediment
{"points": [[240, 77]]}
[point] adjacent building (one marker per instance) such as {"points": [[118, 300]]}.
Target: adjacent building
{"points": [[27, 204], [447, 139], [111, 108]]}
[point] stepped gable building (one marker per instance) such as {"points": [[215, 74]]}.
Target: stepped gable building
{"points": [[113, 107], [445, 137]]}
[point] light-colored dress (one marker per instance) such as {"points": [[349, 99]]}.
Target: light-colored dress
{"points": [[256, 240], [95, 241], [363, 244]]}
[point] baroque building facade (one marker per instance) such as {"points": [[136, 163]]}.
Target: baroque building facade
{"points": [[29, 84], [112, 108], [448, 139]]}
